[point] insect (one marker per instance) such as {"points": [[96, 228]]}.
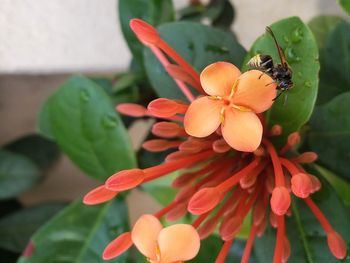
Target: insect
{"points": [[281, 73]]}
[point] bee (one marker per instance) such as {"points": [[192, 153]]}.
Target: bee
{"points": [[281, 73]]}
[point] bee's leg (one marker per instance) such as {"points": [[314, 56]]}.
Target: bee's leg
{"points": [[285, 99], [262, 73], [273, 82], [279, 94]]}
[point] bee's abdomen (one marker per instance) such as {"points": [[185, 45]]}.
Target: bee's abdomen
{"points": [[263, 62], [255, 61]]}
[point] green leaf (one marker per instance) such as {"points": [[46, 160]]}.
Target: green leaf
{"points": [[329, 136], [307, 238], [301, 52], [154, 12], [206, 46], [88, 129], [219, 13], [321, 26], [41, 151], [161, 188], [44, 125], [17, 174], [16, 228], [345, 4], [79, 234], [9, 206], [335, 64], [341, 186], [209, 250]]}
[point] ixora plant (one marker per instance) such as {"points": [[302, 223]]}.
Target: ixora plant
{"points": [[244, 174]]}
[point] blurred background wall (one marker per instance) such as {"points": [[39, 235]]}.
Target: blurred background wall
{"points": [[42, 42]]}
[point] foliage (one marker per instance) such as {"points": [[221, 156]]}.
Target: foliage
{"points": [[80, 121]]}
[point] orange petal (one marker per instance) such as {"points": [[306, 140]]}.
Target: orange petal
{"points": [[202, 117], [242, 130], [178, 243], [145, 233], [254, 93], [218, 78]]}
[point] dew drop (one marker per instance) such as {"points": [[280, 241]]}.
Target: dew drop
{"points": [[84, 95], [307, 84], [286, 39], [109, 121], [217, 49], [297, 35], [291, 56]]}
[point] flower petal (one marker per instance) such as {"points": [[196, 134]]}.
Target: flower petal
{"points": [[255, 90], [145, 233], [203, 117], [218, 78], [178, 243], [242, 130]]}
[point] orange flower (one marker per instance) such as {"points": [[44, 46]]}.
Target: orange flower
{"points": [[234, 100], [172, 244]]}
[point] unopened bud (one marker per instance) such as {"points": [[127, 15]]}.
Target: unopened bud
{"points": [[301, 185], [132, 109], [336, 244], [146, 33], [204, 200], [99, 195], [125, 180], [280, 200]]}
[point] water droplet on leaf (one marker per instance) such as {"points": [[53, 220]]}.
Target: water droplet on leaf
{"points": [[84, 95], [291, 56], [307, 84], [286, 39], [109, 121], [217, 49], [297, 35]]}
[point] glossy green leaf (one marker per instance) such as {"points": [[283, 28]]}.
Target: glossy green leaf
{"points": [[79, 234], [88, 129], [41, 151], [154, 12], [9, 206], [17, 174], [43, 123], [345, 4], [321, 26], [17, 228], [161, 189], [206, 46], [299, 46], [341, 186], [335, 64], [329, 136], [218, 13], [209, 250], [307, 238]]}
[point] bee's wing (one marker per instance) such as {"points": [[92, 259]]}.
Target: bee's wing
{"points": [[280, 51]]}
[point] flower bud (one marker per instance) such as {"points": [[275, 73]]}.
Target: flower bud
{"points": [[301, 185], [280, 200], [125, 180], [146, 33], [336, 244], [204, 200]]}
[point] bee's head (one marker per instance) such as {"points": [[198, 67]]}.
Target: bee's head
{"points": [[286, 84]]}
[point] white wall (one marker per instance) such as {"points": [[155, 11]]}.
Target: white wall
{"points": [[58, 36]]}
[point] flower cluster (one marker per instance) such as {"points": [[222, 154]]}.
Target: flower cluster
{"points": [[228, 164]]}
